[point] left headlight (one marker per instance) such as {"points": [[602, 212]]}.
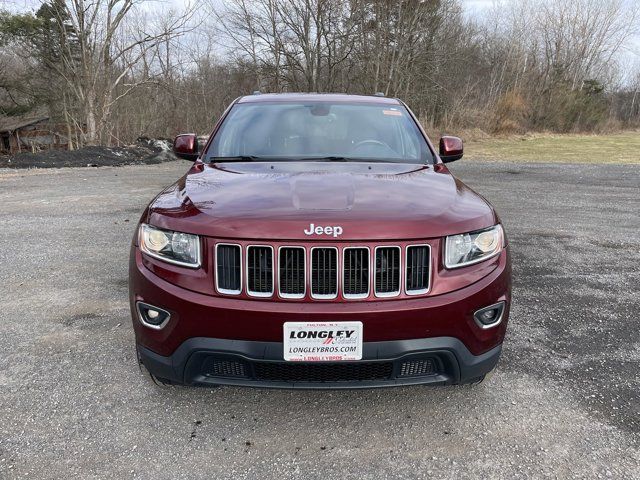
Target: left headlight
{"points": [[173, 247], [473, 247]]}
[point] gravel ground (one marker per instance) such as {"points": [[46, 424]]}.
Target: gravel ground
{"points": [[564, 402]]}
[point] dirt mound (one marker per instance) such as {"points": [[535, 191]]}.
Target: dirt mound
{"points": [[144, 151]]}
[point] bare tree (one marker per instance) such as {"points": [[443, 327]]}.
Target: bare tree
{"points": [[530, 64], [100, 51]]}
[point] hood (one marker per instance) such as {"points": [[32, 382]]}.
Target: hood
{"points": [[298, 201]]}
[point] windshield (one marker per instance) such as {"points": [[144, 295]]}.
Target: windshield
{"points": [[319, 131]]}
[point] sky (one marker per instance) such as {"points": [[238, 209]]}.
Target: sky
{"points": [[472, 5], [630, 55]]}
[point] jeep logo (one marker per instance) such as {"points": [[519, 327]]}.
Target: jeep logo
{"points": [[336, 231]]}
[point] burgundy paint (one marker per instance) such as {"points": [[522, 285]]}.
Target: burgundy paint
{"points": [[205, 315], [451, 146], [376, 204], [186, 143]]}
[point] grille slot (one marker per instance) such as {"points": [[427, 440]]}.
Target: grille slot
{"points": [[324, 272], [387, 271], [229, 271], [322, 372], [418, 267], [292, 272], [260, 271], [356, 273]]}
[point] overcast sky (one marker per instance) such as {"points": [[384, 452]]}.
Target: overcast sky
{"points": [[477, 4], [473, 7]]}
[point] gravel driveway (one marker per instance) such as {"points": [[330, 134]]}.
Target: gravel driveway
{"points": [[564, 402]]}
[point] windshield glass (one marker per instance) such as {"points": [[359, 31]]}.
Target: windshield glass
{"points": [[319, 130]]}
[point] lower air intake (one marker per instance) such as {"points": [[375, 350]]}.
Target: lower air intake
{"points": [[322, 372], [418, 368], [214, 367]]}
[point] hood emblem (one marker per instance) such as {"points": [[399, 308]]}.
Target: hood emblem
{"points": [[332, 230]]}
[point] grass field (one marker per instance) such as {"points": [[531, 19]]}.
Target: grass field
{"points": [[614, 148]]}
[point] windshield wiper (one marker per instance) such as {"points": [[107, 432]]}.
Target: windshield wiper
{"points": [[239, 158], [330, 158], [349, 159]]}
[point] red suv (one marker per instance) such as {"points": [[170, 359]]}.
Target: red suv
{"points": [[319, 241]]}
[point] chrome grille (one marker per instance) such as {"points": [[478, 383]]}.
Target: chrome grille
{"points": [[228, 271], [352, 272], [324, 272], [418, 262], [355, 272], [260, 271], [292, 272], [387, 271]]}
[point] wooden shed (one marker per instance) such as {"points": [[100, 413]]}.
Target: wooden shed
{"points": [[30, 133]]}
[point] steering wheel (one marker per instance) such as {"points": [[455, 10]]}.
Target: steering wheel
{"points": [[370, 142]]}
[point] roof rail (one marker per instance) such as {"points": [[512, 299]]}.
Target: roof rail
{"points": [[256, 92], [379, 94]]}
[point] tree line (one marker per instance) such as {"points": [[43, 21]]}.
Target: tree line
{"points": [[112, 70]]}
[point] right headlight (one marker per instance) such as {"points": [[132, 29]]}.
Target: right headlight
{"points": [[173, 247], [473, 247]]}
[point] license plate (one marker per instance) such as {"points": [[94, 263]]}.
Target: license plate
{"points": [[322, 342]]}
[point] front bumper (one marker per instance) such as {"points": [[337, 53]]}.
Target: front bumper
{"points": [[208, 361], [196, 315], [211, 340]]}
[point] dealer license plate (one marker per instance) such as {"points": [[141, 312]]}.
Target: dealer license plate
{"points": [[322, 342]]}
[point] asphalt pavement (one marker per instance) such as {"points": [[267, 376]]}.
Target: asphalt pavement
{"points": [[563, 403]]}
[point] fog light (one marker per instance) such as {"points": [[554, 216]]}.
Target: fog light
{"points": [[151, 316], [490, 316]]}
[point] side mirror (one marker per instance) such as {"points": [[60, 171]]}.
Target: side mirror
{"points": [[451, 149], [186, 146]]}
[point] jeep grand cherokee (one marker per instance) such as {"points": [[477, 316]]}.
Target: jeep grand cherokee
{"points": [[319, 241]]}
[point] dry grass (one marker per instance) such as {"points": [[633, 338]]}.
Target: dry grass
{"points": [[611, 148]]}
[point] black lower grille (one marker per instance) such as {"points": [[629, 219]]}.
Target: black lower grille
{"points": [[216, 367], [293, 372], [322, 372], [418, 368], [324, 272]]}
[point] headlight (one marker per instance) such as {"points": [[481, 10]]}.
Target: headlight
{"points": [[173, 247], [469, 248]]}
